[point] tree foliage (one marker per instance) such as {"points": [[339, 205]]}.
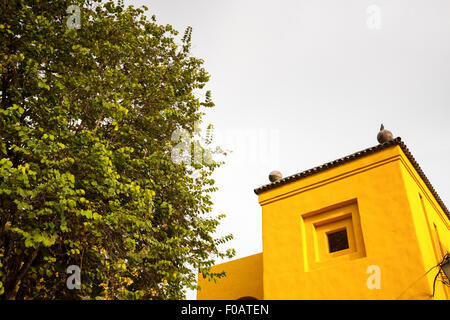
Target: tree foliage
{"points": [[86, 175]]}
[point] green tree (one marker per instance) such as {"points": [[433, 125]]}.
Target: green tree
{"points": [[86, 173]]}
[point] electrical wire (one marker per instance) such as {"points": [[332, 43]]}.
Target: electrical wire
{"points": [[417, 280], [434, 282], [446, 282]]}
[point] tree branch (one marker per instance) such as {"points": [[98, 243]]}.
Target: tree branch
{"points": [[13, 287]]}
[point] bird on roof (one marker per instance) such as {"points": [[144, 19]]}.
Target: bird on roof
{"points": [[275, 176], [384, 135]]}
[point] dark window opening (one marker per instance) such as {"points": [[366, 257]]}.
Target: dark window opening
{"points": [[337, 241]]}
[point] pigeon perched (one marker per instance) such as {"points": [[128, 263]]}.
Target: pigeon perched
{"points": [[384, 135], [275, 176]]}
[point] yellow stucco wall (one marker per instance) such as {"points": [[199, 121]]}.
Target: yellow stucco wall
{"points": [[392, 234], [431, 225], [393, 223], [243, 279]]}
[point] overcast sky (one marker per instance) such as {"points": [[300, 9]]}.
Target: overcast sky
{"points": [[298, 83]]}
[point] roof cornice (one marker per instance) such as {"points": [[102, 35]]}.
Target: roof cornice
{"points": [[396, 142]]}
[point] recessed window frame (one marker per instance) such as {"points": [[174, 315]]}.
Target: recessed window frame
{"points": [[317, 224]]}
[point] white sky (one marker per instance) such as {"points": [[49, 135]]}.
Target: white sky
{"points": [[313, 74]]}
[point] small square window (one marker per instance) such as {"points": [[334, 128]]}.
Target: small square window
{"points": [[337, 241], [332, 235]]}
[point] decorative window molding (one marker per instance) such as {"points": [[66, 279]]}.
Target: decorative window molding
{"points": [[331, 235]]}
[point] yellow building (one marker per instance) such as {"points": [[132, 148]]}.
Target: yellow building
{"points": [[366, 226]]}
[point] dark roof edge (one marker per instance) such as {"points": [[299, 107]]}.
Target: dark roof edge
{"points": [[396, 142]]}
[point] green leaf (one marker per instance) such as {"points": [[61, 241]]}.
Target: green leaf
{"points": [[88, 174]]}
